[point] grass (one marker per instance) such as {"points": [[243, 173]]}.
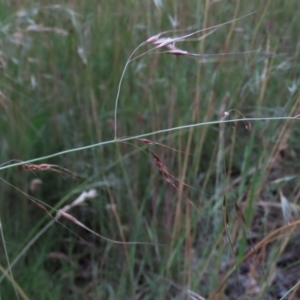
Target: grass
{"points": [[60, 70]]}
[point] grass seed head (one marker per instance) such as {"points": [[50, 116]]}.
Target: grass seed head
{"points": [[177, 52], [147, 141]]}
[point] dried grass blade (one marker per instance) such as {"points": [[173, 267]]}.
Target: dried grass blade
{"points": [[77, 222], [18, 288]]}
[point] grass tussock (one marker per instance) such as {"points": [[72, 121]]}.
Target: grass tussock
{"points": [[167, 173]]}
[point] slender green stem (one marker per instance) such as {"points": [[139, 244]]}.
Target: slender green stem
{"points": [[120, 140]]}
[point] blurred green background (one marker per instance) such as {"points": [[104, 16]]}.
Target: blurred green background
{"points": [[60, 66]]}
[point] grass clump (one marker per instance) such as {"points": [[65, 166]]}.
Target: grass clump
{"points": [[191, 126]]}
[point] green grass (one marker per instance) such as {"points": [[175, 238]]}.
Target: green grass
{"points": [[58, 92]]}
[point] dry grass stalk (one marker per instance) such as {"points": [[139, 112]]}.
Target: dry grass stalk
{"points": [[14, 283], [79, 201], [69, 217]]}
